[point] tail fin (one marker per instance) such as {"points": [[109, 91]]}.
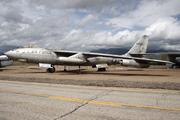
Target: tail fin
{"points": [[139, 47]]}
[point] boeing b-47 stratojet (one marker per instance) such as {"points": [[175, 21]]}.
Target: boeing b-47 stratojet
{"points": [[48, 57]]}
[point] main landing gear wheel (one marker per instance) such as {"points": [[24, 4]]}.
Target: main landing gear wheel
{"points": [[101, 69], [65, 69], [174, 66], [51, 70]]}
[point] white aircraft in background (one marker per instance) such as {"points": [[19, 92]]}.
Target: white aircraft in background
{"points": [[48, 57], [5, 61]]}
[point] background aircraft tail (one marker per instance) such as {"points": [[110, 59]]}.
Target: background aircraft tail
{"points": [[139, 47]]}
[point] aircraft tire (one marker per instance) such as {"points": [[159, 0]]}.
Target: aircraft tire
{"points": [[51, 70], [101, 69], [47, 70], [174, 66]]}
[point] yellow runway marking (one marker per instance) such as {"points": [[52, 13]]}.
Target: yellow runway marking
{"points": [[89, 101]]}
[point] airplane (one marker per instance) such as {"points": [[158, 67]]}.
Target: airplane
{"points": [[5, 61], [47, 58], [169, 56]]}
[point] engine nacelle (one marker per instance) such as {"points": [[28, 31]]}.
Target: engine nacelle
{"points": [[133, 63], [4, 58], [6, 63]]}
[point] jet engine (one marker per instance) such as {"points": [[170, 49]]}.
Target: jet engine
{"points": [[133, 63], [5, 61]]}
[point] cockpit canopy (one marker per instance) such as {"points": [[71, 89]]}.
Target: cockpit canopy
{"points": [[30, 46]]}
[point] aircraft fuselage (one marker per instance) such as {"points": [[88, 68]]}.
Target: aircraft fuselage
{"points": [[41, 55]]}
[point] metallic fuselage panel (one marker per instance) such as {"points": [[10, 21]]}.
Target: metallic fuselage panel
{"points": [[34, 55]]}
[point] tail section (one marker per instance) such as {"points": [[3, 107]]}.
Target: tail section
{"points": [[139, 47]]}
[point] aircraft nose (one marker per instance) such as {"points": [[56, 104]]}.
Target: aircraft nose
{"points": [[8, 53], [5, 53]]}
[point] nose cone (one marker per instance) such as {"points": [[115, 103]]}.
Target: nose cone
{"points": [[5, 53], [9, 54]]}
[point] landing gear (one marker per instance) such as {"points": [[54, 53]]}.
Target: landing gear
{"points": [[101, 69], [65, 69], [51, 70], [174, 67], [79, 70]]}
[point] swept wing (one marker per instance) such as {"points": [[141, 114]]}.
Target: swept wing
{"points": [[89, 55]]}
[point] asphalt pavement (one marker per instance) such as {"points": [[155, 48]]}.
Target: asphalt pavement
{"points": [[43, 101]]}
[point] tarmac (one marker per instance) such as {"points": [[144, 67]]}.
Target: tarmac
{"points": [[43, 101], [155, 77]]}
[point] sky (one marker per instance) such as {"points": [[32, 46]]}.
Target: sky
{"points": [[86, 25]]}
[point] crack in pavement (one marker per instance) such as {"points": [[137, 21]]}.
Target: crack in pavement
{"points": [[164, 95], [85, 103]]}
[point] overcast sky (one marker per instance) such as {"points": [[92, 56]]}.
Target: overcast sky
{"points": [[85, 25]]}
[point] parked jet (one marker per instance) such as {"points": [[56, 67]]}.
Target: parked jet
{"points": [[48, 57], [5, 61], [169, 56]]}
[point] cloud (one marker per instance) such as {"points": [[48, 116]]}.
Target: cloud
{"points": [[75, 4], [165, 32], [147, 13], [87, 19], [84, 25]]}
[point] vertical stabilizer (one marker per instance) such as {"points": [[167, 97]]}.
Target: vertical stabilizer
{"points": [[139, 47]]}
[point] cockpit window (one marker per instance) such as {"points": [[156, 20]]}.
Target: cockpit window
{"points": [[30, 46]]}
